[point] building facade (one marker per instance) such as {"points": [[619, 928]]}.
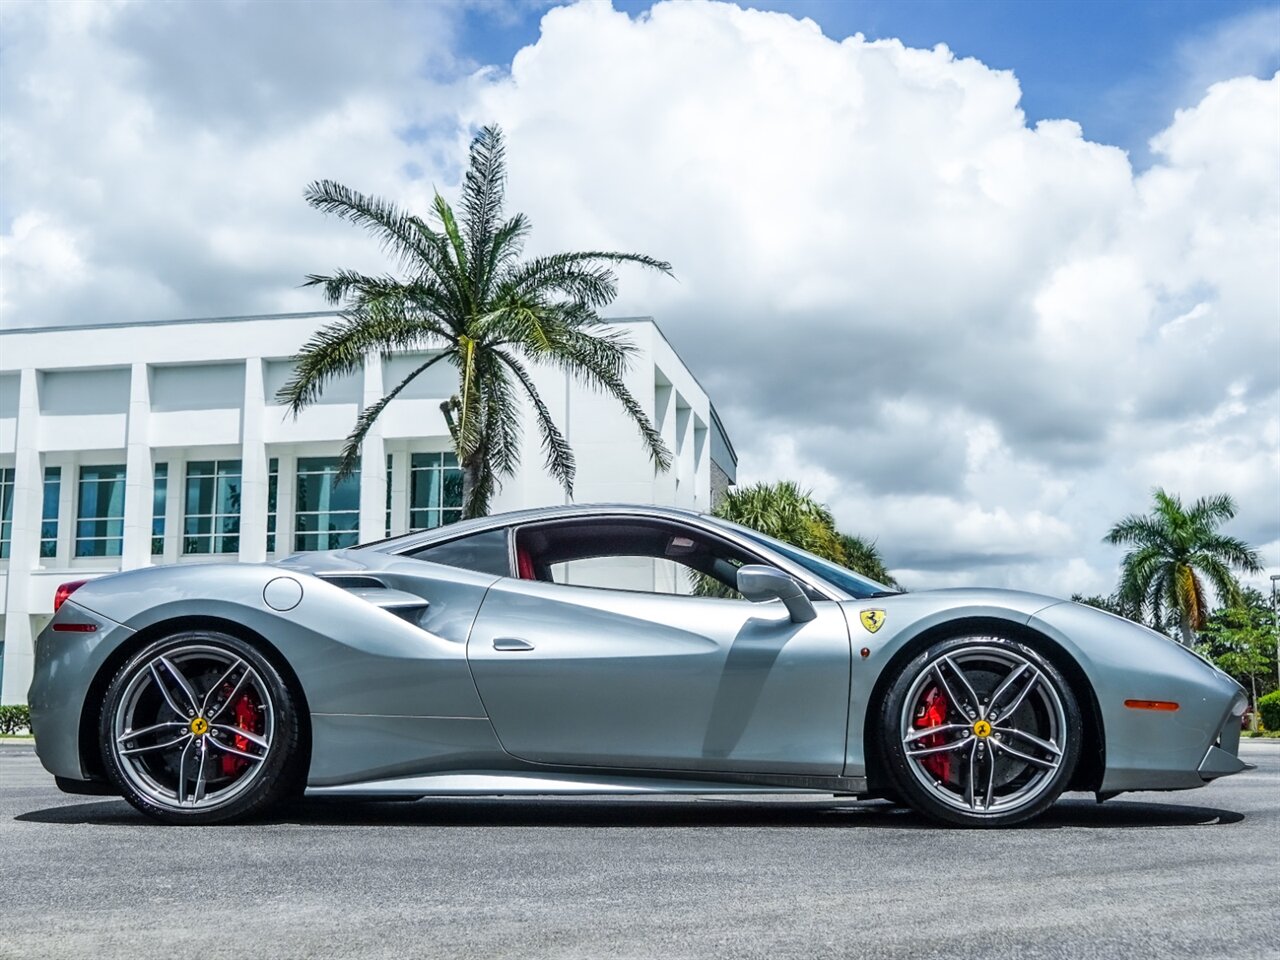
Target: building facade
{"points": [[128, 445]]}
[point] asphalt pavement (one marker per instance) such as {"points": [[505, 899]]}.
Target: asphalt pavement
{"points": [[1190, 874]]}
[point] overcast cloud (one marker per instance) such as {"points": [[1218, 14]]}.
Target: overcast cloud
{"points": [[981, 342]]}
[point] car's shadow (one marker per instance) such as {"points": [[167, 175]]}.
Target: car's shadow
{"points": [[623, 813]]}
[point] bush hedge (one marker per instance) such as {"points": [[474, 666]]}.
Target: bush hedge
{"points": [[1269, 710], [15, 718]]}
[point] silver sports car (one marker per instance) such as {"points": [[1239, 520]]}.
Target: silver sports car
{"points": [[606, 649]]}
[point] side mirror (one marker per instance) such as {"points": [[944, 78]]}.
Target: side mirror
{"points": [[759, 583]]}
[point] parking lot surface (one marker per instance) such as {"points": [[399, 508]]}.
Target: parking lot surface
{"points": [[1146, 875]]}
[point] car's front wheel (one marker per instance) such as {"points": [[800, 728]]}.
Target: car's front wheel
{"points": [[980, 731], [200, 728]]}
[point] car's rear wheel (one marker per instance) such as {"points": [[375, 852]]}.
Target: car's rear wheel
{"points": [[980, 731], [200, 728]]}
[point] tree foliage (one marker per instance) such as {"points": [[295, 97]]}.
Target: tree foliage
{"points": [[787, 512], [462, 294], [1241, 639], [861, 556], [1115, 603], [1175, 550]]}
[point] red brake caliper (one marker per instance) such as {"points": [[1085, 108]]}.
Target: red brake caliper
{"points": [[246, 719], [935, 715]]}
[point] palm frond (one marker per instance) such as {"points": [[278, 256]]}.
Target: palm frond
{"points": [[345, 284], [400, 234], [1232, 551], [503, 425], [557, 270], [1219, 574], [590, 284], [1138, 529], [610, 350], [1212, 510], [339, 349], [505, 250], [593, 360], [368, 416], [557, 454], [483, 187], [458, 246]]}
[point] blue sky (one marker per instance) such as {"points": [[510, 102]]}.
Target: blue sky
{"points": [[1119, 69]]}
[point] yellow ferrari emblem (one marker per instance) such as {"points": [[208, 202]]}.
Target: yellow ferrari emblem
{"points": [[873, 620], [982, 729], [199, 726]]}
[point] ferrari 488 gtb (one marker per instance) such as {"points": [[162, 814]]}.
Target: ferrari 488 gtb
{"points": [[596, 650]]}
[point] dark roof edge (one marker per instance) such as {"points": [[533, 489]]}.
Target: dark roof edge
{"points": [[62, 328], [724, 434]]}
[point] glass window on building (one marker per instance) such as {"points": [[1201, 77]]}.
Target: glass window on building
{"points": [[100, 511], [212, 519], [6, 511], [327, 510], [273, 489], [159, 502], [388, 533], [49, 512], [435, 490]]}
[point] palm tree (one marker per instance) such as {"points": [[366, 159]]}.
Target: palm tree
{"points": [[785, 511], [1115, 604], [1173, 549], [466, 295], [861, 556]]}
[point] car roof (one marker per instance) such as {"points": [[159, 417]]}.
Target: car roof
{"points": [[529, 515]]}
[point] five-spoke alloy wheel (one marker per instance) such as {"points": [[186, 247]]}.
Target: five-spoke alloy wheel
{"points": [[980, 731], [200, 728]]}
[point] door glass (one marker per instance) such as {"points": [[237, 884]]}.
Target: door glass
{"points": [[627, 553]]}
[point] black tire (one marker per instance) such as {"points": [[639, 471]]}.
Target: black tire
{"points": [[968, 774], [248, 776]]}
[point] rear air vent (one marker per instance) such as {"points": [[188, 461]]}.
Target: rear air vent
{"points": [[351, 581]]}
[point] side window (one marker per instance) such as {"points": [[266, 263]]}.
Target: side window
{"points": [[648, 574], [626, 553], [483, 552]]}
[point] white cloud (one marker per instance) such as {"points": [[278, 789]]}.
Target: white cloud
{"points": [[878, 258], [982, 342], [163, 149]]}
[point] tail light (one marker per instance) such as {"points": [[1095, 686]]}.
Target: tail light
{"points": [[66, 590]]}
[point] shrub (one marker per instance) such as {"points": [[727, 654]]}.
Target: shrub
{"points": [[15, 718], [1269, 710]]}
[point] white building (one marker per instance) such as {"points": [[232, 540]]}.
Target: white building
{"points": [[123, 446]]}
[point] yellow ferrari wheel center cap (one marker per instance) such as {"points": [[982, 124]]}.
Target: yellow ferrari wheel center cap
{"points": [[982, 729], [199, 726]]}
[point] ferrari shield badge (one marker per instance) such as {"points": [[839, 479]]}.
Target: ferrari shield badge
{"points": [[873, 620]]}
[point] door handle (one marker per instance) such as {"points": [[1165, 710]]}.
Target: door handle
{"points": [[511, 643]]}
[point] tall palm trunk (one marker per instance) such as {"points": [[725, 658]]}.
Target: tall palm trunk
{"points": [[1188, 637], [473, 466], [471, 473]]}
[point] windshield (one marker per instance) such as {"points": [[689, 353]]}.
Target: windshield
{"points": [[854, 584]]}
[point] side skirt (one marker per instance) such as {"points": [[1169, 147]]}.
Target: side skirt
{"points": [[488, 783]]}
